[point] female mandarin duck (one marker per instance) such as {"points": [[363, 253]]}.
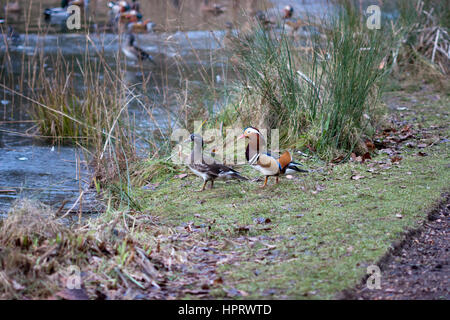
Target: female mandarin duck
{"points": [[206, 167], [214, 9], [264, 162]]}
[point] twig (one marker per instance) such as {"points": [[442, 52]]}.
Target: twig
{"points": [[73, 206], [435, 45]]}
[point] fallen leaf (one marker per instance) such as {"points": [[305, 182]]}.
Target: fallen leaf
{"points": [[357, 177], [242, 229], [422, 145], [232, 292], [181, 176], [395, 159], [17, 286], [370, 145], [398, 215], [422, 154], [151, 186], [366, 156], [337, 159]]}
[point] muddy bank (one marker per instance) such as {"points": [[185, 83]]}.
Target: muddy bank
{"points": [[418, 266]]}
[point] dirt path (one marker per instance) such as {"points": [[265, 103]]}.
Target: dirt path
{"points": [[419, 267]]}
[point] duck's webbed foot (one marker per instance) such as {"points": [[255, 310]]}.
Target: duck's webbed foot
{"points": [[203, 187], [265, 182]]}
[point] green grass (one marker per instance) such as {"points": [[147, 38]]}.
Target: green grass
{"points": [[325, 228], [319, 99]]}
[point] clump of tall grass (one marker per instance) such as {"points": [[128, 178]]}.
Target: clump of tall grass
{"points": [[321, 99]]}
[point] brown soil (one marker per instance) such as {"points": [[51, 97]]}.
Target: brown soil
{"points": [[418, 267]]}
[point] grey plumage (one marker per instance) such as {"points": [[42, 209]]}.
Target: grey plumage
{"points": [[206, 167]]}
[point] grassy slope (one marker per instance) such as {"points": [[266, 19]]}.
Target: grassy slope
{"points": [[325, 227]]}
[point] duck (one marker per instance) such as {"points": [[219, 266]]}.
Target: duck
{"points": [[207, 168], [214, 9], [118, 7], [130, 16], [12, 7], [229, 38], [262, 19], [133, 52], [57, 15], [291, 24], [13, 36], [288, 12], [141, 26], [265, 163]]}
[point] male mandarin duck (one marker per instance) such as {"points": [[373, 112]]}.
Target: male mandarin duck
{"points": [[206, 167], [265, 162], [141, 26], [288, 12], [214, 9], [291, 24], [118, 7], [130, 16], [133, 52]]}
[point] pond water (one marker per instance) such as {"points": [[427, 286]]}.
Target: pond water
{"points": [[35, 168]]}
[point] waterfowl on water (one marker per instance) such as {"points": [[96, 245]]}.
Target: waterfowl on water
{"points": [[118, 7], [133, 52], [229, 38], [288, 12], [291, 24], [13, 36], [12, 7], [59, 14], [262, 19], [214, 9], [130, 16], [206, 168], [141, 26], [55, 15], [265, 162]]}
